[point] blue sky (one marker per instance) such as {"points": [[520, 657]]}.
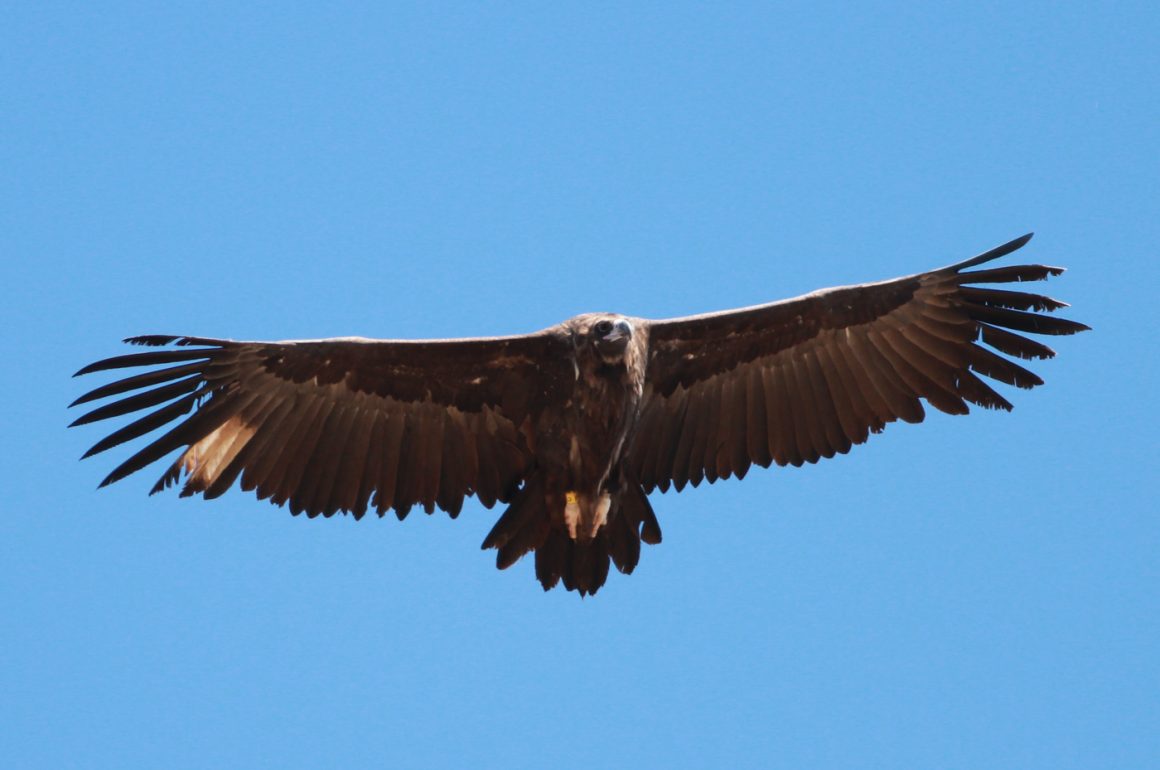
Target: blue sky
{"points": [[970, 592]]}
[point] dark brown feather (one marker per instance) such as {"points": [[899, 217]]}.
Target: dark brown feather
{"points": [[667, 465], [756, 437], [811, 438], [306, 465], [431, 458], [842, 425], [1014, 345], [281, 481], [683, 458], [192, 430], [827, 404], [703, 425], [1016, 300], [550, 558], [887, 381], [330, 457], [488, 489], [452, 477], [146, 400], [978, 392], [275, 443], [928, 377], [996, 367], [623, 535], [144, 359], [138, 381], [355, 453], [262, 408], [1010, 274], [862, 394], [779, 421], [1024, 322], [706, 451], [386, 496]]}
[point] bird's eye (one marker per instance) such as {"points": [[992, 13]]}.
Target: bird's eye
{"points": [[604, 327]]}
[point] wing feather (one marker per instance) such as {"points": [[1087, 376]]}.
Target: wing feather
{"points": [[686, 427], [267, 406], [369, 479], [432, 458], [731, 429], [347, 483], [805, 446], [889, 382], [810, 377], [706, 451], [301, 474], [842, 424], [1014, 345], [779, 423], [271, 467], [488, 489], [829, 403], [329, 460], [401, 477], [666, 432], [872, 410], [756, 437], [921, 372], [334, 425]]}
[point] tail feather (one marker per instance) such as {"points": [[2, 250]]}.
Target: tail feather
{"points": [[631, 522], [515, 533], [581, 566], [528, 525], [623, 543], [530, 537], [634, 502], [551, 557]]}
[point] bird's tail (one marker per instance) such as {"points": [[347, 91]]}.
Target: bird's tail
{"points": [[582, 565]]}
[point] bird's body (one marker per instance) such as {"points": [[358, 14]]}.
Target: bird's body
{"points": [[573, 426]]}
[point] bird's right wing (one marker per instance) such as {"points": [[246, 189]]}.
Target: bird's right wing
{"points": [[794, 381], [341, 424]]}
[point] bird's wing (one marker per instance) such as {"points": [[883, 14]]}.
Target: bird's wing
{"points": [[339, 424], [802, 379]]}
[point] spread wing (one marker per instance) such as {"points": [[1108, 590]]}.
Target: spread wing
{"points": [[342, 424], [798, 380]]}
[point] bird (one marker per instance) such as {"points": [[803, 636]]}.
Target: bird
{"points": [[573, 427]]}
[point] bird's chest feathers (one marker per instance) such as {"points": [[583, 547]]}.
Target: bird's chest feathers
{"points": [[605, 397], [599, 417]]}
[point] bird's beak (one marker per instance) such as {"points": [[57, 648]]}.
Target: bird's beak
{"points": [[620, 330]]}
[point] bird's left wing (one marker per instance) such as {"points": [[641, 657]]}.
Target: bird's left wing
{"points": [[338, 424], [794, 381]]}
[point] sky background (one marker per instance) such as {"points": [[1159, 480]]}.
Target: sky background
{"points": [[970, 592]]}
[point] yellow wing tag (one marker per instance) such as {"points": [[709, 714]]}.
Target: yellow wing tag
{"points": [[571, 499]]}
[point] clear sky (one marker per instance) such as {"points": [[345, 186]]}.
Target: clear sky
{"points": [[977, 591]]}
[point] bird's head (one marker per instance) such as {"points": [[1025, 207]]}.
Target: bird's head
{"points": [[609, 337]]}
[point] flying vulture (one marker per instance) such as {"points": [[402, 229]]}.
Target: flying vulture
{"points": [[572, 427]]}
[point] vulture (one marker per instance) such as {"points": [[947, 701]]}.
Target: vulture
{"points": [[571, 428]]}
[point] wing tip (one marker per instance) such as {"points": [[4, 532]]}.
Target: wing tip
{"points": [[995, 253], [151, 340], [181, 340], [88, 369]]}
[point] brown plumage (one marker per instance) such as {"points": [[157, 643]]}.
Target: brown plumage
{"points": [[573, 426]]}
